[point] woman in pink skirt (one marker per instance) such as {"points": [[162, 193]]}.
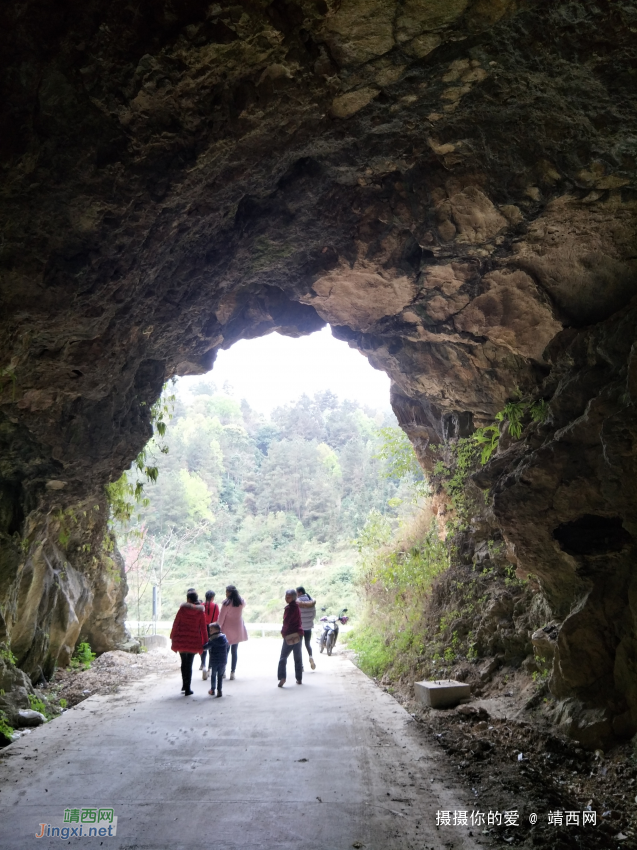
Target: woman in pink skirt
{"points": [[231, 622]]}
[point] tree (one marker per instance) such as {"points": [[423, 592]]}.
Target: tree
{"points": [[136, 557], [164, 551]]}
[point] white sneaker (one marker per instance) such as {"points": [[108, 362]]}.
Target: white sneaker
{"points": [[312, 663], [232, 676], [204, 675]]}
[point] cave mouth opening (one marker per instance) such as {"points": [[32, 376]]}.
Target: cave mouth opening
{"points": [[303, 411], [272, 369]]}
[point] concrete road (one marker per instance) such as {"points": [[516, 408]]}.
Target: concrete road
{"points": [[332, 764]]}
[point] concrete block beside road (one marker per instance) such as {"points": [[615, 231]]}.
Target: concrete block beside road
{"points": [[441, 693]]}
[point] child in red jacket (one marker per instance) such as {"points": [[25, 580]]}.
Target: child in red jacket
{"points": [[211, 611]]}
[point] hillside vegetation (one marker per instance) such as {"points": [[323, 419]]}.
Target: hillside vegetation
{"points": [[263, 502]]}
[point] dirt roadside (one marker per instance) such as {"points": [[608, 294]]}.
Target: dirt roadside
{"points": [[512, 759], [108, 674]]}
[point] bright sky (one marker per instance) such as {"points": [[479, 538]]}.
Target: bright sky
{"points": [[274, 369]]}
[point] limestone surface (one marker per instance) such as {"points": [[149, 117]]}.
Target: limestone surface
{"points": [[450, 184]]}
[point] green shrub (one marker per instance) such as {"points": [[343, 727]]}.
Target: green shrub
{"points": [[414, 569], [82, 657], [377, 651], [39, 705], [5, 729], [397, 572], [7, 655], [373, 655], [63, 703]]}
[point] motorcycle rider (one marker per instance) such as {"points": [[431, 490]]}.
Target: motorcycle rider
{"points": [[329, 635], [308, 612]]}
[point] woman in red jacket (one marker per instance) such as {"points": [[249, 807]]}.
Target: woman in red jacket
{"points": [[188, 636]]}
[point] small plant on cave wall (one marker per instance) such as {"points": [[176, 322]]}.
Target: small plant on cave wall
{"points": [[513, 414], [7, 656], [127, 493], [487, 438]]}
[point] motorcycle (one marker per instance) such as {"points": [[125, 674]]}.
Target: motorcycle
{"points": [[329, 634]]}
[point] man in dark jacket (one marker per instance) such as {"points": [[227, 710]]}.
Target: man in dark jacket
{"points": [[292, 632], [218, 648]]}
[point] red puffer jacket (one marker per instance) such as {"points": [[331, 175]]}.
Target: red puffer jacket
{"points": [[189, 631], [211, 610]]}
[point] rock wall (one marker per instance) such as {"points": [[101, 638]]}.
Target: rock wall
{"points": [[577, 473], [449, 184], [67, 583]]}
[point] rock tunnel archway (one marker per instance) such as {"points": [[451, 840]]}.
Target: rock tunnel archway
{"points": [[451, 186]]}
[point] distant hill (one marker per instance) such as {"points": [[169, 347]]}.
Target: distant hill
{"points": [[261, 502]]}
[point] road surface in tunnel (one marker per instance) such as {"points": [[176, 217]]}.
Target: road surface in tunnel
{"points": [[333, 764]]}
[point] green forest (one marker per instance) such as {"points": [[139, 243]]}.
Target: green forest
{"points": [[262, 502]]}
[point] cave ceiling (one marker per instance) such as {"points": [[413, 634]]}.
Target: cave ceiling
{"points": [[450, 184]]}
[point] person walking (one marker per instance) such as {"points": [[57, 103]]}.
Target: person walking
{"points": [[218, 648], [308, 612], [188, 636], [231, 622], [292, 633], [211, 612]]}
